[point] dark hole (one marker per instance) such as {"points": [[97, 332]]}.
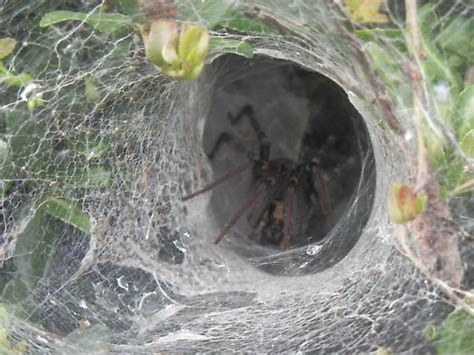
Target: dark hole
{"points": [[296, 154]]}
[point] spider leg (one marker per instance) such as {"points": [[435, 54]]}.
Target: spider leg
{"points": [[247, 204], [247, 111], [290, 194], [318, 185], [293, 207], [219, 181], [225, 138]]}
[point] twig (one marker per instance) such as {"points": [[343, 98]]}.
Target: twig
{"points": [[448, 290], [434, 233], [45, 336], [412, 24], [468, 186], [414, 33], [385, 104], [418, 55]]}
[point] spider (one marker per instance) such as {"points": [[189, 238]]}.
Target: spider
{"points": [[285, 196]]}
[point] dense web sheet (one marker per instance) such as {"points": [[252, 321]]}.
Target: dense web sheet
{"points": [[122, 143]]}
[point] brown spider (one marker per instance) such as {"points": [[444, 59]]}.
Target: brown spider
{"points": [[285, 196]]}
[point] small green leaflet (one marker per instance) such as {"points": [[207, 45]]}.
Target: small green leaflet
{"points": [[223, 45], [454, 336], [109, 23], [7, 45], [68, 213], [206, 12]]}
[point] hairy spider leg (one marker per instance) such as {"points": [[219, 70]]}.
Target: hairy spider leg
{"points": [[300, 197], [247, 204], [318, 185], [290, 193], [224, 137], [293, 205], [247, 111], [219, 181]]}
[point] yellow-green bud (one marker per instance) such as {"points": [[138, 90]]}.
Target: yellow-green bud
{"points": [[404, 204], [180, 57]]}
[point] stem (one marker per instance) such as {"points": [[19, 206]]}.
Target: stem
{"points": [[423, 168], [448, 290], [412, 24]]}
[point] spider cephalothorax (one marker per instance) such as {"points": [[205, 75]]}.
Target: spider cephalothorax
{"points": [[285, 196]]}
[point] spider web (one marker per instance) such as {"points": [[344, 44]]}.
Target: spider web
{"points": [[121, 143]]}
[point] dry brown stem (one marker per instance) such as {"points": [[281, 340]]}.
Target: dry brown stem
{"points": [[434, 234]]}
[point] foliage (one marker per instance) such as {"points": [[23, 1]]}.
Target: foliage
{"points": [[173, 56], [109, 23], [6, 343], [219, 45], [7, 45], [454, 335], [404, 204], [180, 56], [29, 152], [451, 99], [363, 11]]}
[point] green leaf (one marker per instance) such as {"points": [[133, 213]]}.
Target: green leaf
{"points": [[88, 177], [7, 45], [467, 143], [30, 148], [441, 80], [4, 327], [244, 24], [90, 145], [456, 37], [454, 336], [15, 291], [120, 51], [371, 34], [3, 153], [9, 345], [388, 70], [10, 79], [223, 45], [18, 81], [109, 23], [465, 122], [18, 299], [209, 13], [465, 111], [129, 7], [365, 11], [68, 213], [453, 168], [33, 250]]}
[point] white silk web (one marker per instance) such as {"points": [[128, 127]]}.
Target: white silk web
{"points": [[117, 144]]}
